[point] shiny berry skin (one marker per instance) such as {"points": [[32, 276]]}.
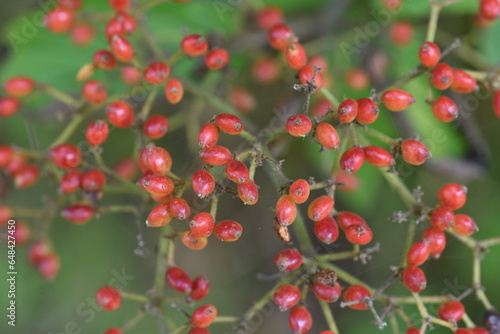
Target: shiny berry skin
{"points": [[327, 136], [8, 106], [397, 99], [82, 34], [208, 135], [444, 109], [97, 132], [429, 54], [347, 111], [442, 218], [463, 82], [401, 33], [93, 180], [320, 208], [203, 316], [288, 260], [496, 103], [300, 320], [357, 79], [266, 70], [437, 241], [155, 159], [119, 5], [464, 225], [113, 330], [298, 125], [130, 75], [237, 171], [286, 210], [306, 74], [452, 195], [174, 91], [280, 35], [178, 280], [203, 183], [414, 279], [248, 192], [216, 155], [66, 156], [358, 234], [326, 230], [295, 55], [94, 92], [418, 253], [179, 208], [479, 330], [489, 9], [156, 73], [120, 114], [159, 216], [378, 157], [367, 111], [229, 123], [299, 191], [200, 288], [463, 331], [194, 45], [19, 86], [242, 100], [216, 59], [122, 49], [327, 293], [158, 184], [228, 230], [268, 17], [70, 181], [108, 298], [202, 224], [442, 76], [356, 292], [59, 20], [451, 311], [286, 296], [78, 213], [26, 176], [6, 153], [414, 152], [193, 242], [156, 126], [352, 160]]}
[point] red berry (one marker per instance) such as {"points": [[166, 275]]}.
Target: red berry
{"points": [[326, 230], [60, 20], [378, 157], [194, 45], [8, 106], [452, 195], [318, 61], [200, 288], [242, 100], [155, 159], [130, 75], [444, 109], [179, 208], [78, 213], [463, 82], [22, 233], [66, 156], [94, 92], [414, 279], [203, 183], [48, 266], [298, 125], [437, 241], [126, 168], [357, 293], [6, 154], [228, 230], [397, 99], [237, 171], [451, 311], [412, 330], [320, 208], [5, 214], [159, 216], [178, 280], [489, 9], [401, 33], [19, 86], [463, 331], [216, 59], [158, 184], [286, 210], [347, 111], [208, 135], [295, 55], [203, 316], [392, 5], [418, 253], [326, 288], [216, 155], [70, 181], [229, 123], [156, 126], [300, 320], [26, 176], [352, 160], [358, 234], [429, 54], [113, 330], [306, 74], [248, 192], [104, 59], [82, 34], [193, 242], [442, 218], [156, 73], [442, 76], [195, 330], [97, 132], [367, 111], [202, 224], [268, 17], [108, 298], [19, 160], [120, 114], [346, 219], [119, 5], [496, 103], [266, 70], [122, 49], [414, 152], [174, 91], [299, 191], [286, 296], [38, 250], [479, 330], [327, 136], [93, 180], [464, 225], [288, 260], [280, 35], [357, 79]]}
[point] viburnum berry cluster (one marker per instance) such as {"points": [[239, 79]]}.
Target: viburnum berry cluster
{"points": [[306, 212]]}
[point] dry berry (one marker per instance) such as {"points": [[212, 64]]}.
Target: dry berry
{"points": [[464, 225], [442, 76], [156, 126], [279, 36], [418, 253], [352, 160], [203, 183], [286, 296], [200, 288], [203, 316], [174, 91], [108, 298], [378, 157], [178, 280], [357, 292], [397, 99], [298, 125], [320, 208], [94, 92], [237, 171], [216, 59], [202, 224], [429, 54], [327, 136], [229, 123], [367, 111], [194, 45], [299, 191], [288, 260], [268, 17], [248, 192], [437, 241], [451, 311], [159, 216], [156, 73], [179, 208], [414, 152], [444, 109], [286, 210], [347, 111], [216, 155], [228, 230], [452, 195], [300, 320], [326, 230], [208, 135], [295, 55], [414, 279], [66, 156], [463, 82]]}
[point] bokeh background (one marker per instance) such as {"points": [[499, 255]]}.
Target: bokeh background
{"points": [[93, 255]]}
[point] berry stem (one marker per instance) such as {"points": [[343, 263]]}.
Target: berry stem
{"points": [[134, 296], [330, 97], [467, 320], [379, 135], [213, 206], [327, 313], [148, 104], [134, 321], [225, 319], [60, 96], [433, 21], [161, 263]]}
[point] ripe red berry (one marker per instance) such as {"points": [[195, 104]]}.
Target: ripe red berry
{"points": [[295, 55], [93, 180], [203, 316], [442, 76], [6, 154], [299, 191], [174, 91], [60, 20], [442, 218], [266, 70], [352, 160], [113, 330], [228, 230], [108, 298], [22, 233], [156, 126], [94, 92], [489, 9], [326, 230], [412, 330], [464, 225], [401, 33], [156, 73], [320, 208], [367, 111], [179, 208], [248, 192], [357, 292], [8, 106], [479, 330], [157, 184], [126, 168], [444, 109], [495, 102], [300, 320], [78, 213], [280, 35], [155, 159], [82, 34], [327, 136], [237, 171], [378, 157], [194, 45], [178, 280], [397, 99], [216, 59], [66, 156], [463, 331], [38, 250], [26, 176], [202, 224], [159, 216], [18, 161], [286, 210], [437, 241], [122, 49], [203, 183], [414, 152], [463, 82], [359, 234], [193, 242], [216, 155], [306, 75], [19, 86], [298, 125], [120, 114], [452, 195], [451, 311], [347, 111], [414, 279], [242, 100], [429, 54], [288, 260], [130, 75], [208, 135], [268, 17], [229, 123], [286, 296], [357, 79], [200, 288], [97, 132], [195, 330], [119, 5], [418, 253], [326, 287], [70, 181]]}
